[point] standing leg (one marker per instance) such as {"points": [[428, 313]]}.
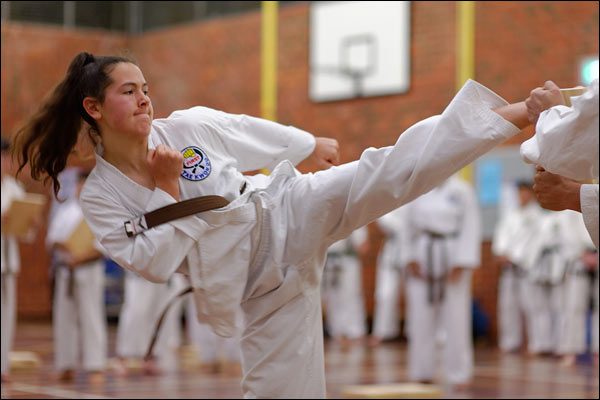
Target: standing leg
{"points": [[9, 298], [422, 328], [66, 329], [457, 320], [509, 312], [92, 316]]}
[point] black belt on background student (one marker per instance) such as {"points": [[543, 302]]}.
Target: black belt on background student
{"points": [[436, 286]]}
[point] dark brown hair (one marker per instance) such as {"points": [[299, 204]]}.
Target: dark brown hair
{"points": [[48, 138]]}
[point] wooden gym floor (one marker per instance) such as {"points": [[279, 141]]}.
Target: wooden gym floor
{"points": [[496, 375]]}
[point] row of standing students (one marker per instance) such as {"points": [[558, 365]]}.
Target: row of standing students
{"points": [[548, 281], [433, 245], [436, 239]]}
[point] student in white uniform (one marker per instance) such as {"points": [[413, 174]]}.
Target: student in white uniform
{"points": [[79, 316], [565, 144], [386, 318], [549, 254], [11, 261], [579, 289], [143, 304], [510, 245], [216, 354], [442, 245], [264, 252], [345, 317]]}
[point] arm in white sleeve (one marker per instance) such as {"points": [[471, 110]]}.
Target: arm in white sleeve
{"points": [[589, 209], [258, 143], [468, 244], [156, 253], [429, 152], [566, 138]]}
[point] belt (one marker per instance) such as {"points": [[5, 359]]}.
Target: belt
{"points": [[173, 211], [436, 287], [159, 323]]}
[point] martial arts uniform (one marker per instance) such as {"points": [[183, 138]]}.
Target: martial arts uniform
{"points": [[265, 251], [566, 143], [512, 238], [548, 257], [11, 261], [386, 319], [578, 286], [143, 304], [212, 348], [443, 230], [79, 315], [342, 288]]}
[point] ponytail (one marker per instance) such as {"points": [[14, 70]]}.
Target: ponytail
{"points": [[48, 138]]}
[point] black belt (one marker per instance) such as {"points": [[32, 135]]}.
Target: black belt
{"points": [[439, 283]]}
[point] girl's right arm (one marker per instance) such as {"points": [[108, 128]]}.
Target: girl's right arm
{"points": [[156, 253]]}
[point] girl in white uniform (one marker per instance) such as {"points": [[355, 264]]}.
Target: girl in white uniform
{"points": [[264, 252], [345, 316], [441, 246], [10, 263], [79, 316], [386, 319]]}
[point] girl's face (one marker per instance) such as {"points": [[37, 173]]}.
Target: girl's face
{"points": [[127, 109]]}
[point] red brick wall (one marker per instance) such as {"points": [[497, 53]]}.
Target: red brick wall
{"points": [[217, 63]]}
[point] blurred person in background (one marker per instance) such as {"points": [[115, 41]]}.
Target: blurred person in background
{"points": [[217, 354], [386, 318], [79, 316], [442, 247], [510, 245], [579, 288], [345, 316], [11, 259], [143, 303]]}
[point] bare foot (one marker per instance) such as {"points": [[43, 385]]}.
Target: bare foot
{"points": [[231, 368], [68, 375], [568, 360], [96, 377], [151, 368], [120, 367], [461, 387], [374, 341], [210, 368]]}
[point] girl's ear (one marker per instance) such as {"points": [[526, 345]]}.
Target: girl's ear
{"points": [[92, 107]]}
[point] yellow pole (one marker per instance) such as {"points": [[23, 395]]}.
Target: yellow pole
{"points": [[268, 70], [465, 56], [268, 62]]}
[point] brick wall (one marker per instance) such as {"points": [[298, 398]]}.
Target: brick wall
{"points": [[217, 63]]}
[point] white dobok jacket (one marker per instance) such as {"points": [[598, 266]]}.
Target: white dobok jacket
{"points": [[243, 251]]}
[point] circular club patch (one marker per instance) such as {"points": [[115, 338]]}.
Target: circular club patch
{"points": [[196, 165]]}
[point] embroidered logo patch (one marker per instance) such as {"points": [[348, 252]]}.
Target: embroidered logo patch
{"points": [[196, 165]]}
